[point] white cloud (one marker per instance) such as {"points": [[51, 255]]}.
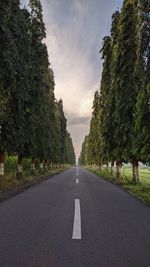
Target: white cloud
{"points": [[74, 32], [75, 76]]}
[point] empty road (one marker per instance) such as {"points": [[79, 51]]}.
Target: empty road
{"points": [[74, 219]]}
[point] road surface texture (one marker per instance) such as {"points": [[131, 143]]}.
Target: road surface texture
{"points": [[74, 219]]}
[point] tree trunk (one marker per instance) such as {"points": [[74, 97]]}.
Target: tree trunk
{"points": [[1, 168], [19, 173], [112, 167], [99, 166], [32, 166], [45, 165], [107, 167], [41, 165], [118, 170], [135, 169], [48, 164]]}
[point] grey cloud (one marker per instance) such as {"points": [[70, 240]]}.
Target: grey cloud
{"points": [[73, 119], [75, 29]]}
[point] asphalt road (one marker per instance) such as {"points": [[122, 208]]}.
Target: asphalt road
{"points": [[74, 220]]}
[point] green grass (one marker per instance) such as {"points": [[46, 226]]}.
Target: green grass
{"points": [[10, 180], [141, 190], [11, 164], [143, 173]]}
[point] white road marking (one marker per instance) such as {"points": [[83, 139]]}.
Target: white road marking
{"points": [[77, 181], [77, 173], [77, 221]]}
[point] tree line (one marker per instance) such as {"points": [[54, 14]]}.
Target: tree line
{"points": [[32, 121], [120, 124]]}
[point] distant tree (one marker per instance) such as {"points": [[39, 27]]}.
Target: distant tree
{"points": [[83, 158], [70, 155], [63, 131], [105, 88], [110, 120], [94, 138]]}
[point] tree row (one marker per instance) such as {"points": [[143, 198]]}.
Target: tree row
{"points": [[120, 124], [32, 122]]}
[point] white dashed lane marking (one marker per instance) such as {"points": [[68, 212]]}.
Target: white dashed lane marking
{"points": [[77, 221]]}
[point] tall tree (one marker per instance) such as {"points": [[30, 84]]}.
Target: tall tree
{"points": [[141, 141], [110, 120], [105, 96], [83, 158], [70, 154], [39, 82], [126, 90], [63, 131], [9, 66], [94, 138]]}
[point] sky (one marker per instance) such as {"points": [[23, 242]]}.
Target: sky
{"points": [[75, 29]]}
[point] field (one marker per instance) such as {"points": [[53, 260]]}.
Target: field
{"points": [[141, 190], [144, 174]]}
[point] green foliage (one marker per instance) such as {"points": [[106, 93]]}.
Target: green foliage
{"points": [[83, 159], [11, 164], [70, 155], [94, 138], [141, 142], [125, 83], [105, 115]]}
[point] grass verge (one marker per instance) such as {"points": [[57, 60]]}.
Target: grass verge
{"points": [[11, 186], [141, 190]]}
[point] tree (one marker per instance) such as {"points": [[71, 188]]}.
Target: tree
{"points": [[70, 155], [62, 131], [9, 65], [110, 121], [94, 138], [105, 96], [141, 142], [126, 90], [83, 158]]}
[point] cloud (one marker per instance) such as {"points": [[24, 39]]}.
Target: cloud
{"points": [[75, 29], [71, 51], [79, 7], [78, 121]]}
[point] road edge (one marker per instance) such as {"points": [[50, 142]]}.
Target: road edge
{"points": [[121, 187], [21, 188]]}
